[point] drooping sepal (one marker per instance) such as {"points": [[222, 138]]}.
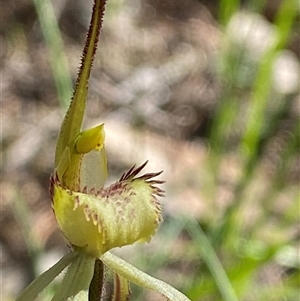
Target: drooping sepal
{"points": [[121, 214], [76, 282], [134, 275], [32, 291]]}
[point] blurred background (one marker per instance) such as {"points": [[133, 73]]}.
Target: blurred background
{"points": [[207, 91]]}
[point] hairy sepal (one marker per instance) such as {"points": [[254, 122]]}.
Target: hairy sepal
{"points": [[71, 125]]}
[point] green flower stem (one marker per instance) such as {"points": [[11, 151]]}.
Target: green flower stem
{"points": [[38, 285], [76, 282], [140, 278]]}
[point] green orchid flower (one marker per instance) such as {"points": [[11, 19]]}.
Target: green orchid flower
{"points": [[95, 219]]}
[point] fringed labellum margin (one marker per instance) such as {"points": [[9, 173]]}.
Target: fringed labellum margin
{"points": [[119, 215]]}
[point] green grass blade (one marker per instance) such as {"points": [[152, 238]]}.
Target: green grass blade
{"points": [[251, 139], [23, 216], [227, 9], [57, 55], [210, 258], [262, 85]]}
